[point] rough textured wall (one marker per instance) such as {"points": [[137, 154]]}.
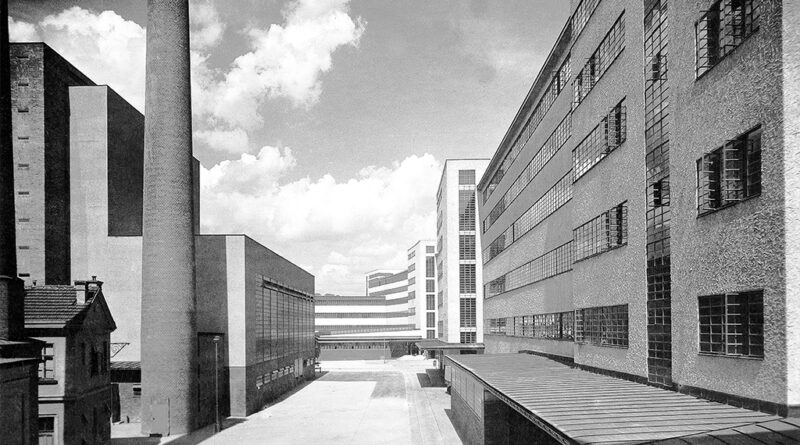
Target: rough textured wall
{"points": [[737, 248]]}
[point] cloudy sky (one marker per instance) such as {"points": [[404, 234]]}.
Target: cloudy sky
{"points": [[322, 125]]}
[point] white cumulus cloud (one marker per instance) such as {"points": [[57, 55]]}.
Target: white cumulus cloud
{"points": [[348, 227], [19, 31]]}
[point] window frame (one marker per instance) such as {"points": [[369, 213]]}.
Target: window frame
{"points": [[750, 321]]}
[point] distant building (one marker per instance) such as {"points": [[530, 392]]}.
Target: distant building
{"points": [[75, 396], [457, 252], [422, 286]]}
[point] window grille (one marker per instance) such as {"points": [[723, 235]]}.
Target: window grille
{"points": [[550, 264], [608, 135], [466, 210], [732, 324], [467, 315], [466, 177], [466, 247], [599, 62], [430, 300], [602, 326], [603, 233], [721, 29], [468, 337], [730, 173], [466, 278]]}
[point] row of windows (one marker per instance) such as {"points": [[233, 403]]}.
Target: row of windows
{"points": [[263, 379], [603, 233], [732, 324], [554, 326], [581, 16], [466, 209], [467, 312], [430, 266], [608, 50], [552, 200], [602, 326], [550, 264], [466, 278], [466, 247], [360, 301], [724, 27], [602, 140], [361, 314], [356, 329], [284, 324], [557, 84], [557, 139], [730, 173]]}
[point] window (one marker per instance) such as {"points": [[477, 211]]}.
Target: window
{"points": [[430, 285], [581, 16], [411, 254], [430, 267], [430, 318], [730, 173], [412, 267], [430, 249], [724, 27], [466, 247], [468, 337], [24, 247], [466, 210], [23, 166], [466, 177], [552, 263], [23, 109], [431, 333], [430, 302], [606, 232], [466, 278], [467, 307], [602, 140], [47, 366], [602, 326], [47, 430], [608, 50], [732, 324]]}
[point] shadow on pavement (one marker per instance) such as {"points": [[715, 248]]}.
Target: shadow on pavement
{"points": [[424, 380], [449, 413], [387, 384]]}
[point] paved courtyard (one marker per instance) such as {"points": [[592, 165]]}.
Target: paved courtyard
{"points": [[354, 402]]}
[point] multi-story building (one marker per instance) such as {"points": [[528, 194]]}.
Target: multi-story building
{"points": [[75, 395], [40, 81], [422, 286], [639, 219], [103, 185], [460, 281]]}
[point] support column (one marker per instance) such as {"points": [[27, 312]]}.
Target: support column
{"points": [[169, 337]]}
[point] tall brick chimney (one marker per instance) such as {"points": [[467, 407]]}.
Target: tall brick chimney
{"points": [[169, 333], [12, 292]]}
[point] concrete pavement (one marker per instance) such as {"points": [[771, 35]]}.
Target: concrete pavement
{"points": [[354, 402]]}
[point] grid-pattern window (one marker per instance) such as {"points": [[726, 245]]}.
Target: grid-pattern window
{"points": [[553, 326], [550, 264], [467, 307], [466, 247], [412, 267], [47, 366], [47, 430], [430, 266], [466, 278], [430, 249], [608, 50], [603, 233], [540, 159], [554, 88], [724, 26], [730, 173], [285, 323], [609, 134], [430, 285], [732, 324], [430, 302], [468, 337], [431, 334], [552, 200], [466, 210], [466, 177], [430, 319], [581, 16], [602, 326]]}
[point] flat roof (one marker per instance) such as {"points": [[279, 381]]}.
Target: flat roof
{"points": [[577, 406], [438, 344]]}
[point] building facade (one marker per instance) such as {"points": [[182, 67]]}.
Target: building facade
{"points": [[422, 287], [635, 217], [75, 396], [458, 256]]}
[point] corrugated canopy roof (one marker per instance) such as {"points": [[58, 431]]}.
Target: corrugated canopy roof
{"points": [[584, 407]]}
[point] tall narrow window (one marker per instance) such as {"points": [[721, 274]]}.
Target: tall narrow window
{"points": [[47, 366]]}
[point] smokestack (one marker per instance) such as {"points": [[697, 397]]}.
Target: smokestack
{"points": [[169, 337], [12, 291]]}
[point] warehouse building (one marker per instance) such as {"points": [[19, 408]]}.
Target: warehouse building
{"points": [[636, 221]]}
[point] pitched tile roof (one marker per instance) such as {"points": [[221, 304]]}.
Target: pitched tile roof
{"points": [[54, 304]]}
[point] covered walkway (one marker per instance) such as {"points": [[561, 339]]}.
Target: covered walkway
{"points": [[575, 406]]}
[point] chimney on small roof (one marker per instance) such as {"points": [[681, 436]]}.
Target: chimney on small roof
{"points": [[85, 290]]}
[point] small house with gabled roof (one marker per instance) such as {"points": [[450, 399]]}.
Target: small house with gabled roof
{"points": [[75, 396]]}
